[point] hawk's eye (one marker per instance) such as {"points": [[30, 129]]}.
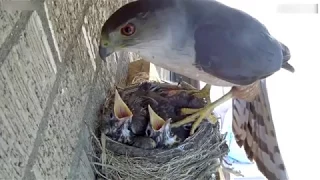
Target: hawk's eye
{"points": [[128, 29]]}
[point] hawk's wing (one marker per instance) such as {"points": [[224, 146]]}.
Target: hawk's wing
{"points": [[254, 130], [233, 46]]}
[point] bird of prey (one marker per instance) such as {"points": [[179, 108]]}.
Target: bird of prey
{"points": [[208, 41]]}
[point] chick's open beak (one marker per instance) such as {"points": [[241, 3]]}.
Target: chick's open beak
{"points": [[121, 110], [155, 120]]}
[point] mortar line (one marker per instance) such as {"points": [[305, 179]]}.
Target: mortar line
{"points": [[54, 91], [12, 39], [49, 34], [79, 146], [43, 123]]}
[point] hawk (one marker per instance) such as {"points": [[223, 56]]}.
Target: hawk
{"points": [[217, 44]]}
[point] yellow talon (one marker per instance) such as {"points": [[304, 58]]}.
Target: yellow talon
{"points": [[199, 114], [186, 111], [211, 118]]}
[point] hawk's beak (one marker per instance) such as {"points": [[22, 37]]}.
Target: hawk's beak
{"points": [[105, 52], [106, 48], [155, 120], [121, 110]]}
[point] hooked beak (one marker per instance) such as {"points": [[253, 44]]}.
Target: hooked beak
{"points": [[121, 110], [105, 52], [105, 48]]}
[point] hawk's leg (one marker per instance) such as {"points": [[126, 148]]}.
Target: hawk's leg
{"points": [[203, 113], [247, 93], [211, 118]]}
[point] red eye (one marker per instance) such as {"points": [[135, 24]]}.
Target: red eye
{"points": [[128, 29]]}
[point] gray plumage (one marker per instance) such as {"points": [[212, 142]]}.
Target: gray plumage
{"points": [[211, 42]]}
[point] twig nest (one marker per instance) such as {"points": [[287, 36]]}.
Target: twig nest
{"points": [[196, 157]]}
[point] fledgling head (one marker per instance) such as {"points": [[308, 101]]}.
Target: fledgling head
{"points": [[160, 130], [156, 123], [135, 26], [117, 121]]}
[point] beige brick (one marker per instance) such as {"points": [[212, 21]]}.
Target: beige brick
{"points": [[65, 16], [7, 22], [105, 81], [65, 118], [26, 78], [83, 170], [112, 72]]}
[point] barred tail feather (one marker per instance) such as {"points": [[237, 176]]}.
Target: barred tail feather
{"points": [[254, 130]]}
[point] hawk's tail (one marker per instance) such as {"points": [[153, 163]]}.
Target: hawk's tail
{"points": [[254, 130], [286, 57]]}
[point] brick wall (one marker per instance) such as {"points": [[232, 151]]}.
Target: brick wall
{"points": [[51, 82]]}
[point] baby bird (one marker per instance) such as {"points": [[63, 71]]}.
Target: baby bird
{"points": [[116, 122], [140, 110], [160, 130]]}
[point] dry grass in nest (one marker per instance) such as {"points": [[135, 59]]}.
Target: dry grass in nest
{"points": [[198, 157], [140, 77]]}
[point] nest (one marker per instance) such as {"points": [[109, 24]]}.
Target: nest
{"points": [[140, 78], [198, 157]]}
